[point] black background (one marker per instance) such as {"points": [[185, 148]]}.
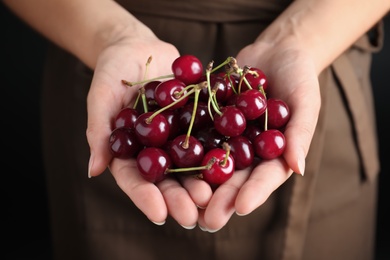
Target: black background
{"points": [[25, 225]]}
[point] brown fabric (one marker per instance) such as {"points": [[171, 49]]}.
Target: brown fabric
{"points": [[218, 11], [327, 214]]}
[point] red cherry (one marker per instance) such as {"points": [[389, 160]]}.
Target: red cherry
{"points": [[189, 156], [150, 88], [231, 82], [202, 117], [269, 144], [242, 151], [153, 164], [222, 167], [252, 103], [153, 133], [218, 84], [126, 118], [173, 119], [256, 81], [170, 91], [278, 114], [251, 131], [187, 68], [124, 143], [231, 122], [210, 138]]}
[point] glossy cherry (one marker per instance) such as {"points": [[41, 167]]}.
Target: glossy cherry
{"points": [[222, 90], [184, 154], [187, 68], [173, 119], [169, 91], [154, 132], [202, 117], [149, 89], [222, 167], [257, 79], [278, 114], [269, 144], [126, 118], [252, 103], [242, 151], [153, 164], [231, 121], [210, 138], [124, 143]]}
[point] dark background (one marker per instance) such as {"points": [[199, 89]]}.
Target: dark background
{"points": [[25, 225]]}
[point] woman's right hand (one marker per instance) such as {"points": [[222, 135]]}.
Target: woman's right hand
{"points": [[126, 59]]}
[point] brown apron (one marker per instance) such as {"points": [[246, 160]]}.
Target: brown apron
{"points": [[327, 214]]}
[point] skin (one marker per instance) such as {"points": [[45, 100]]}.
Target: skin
{"points": [[293, 52]]}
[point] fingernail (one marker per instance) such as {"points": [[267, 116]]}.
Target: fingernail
{"points": [[158, 223], [200, 207], [189, 227], [90, 164], [241, 214], [213, 230], [203, 228], [301, 164]]}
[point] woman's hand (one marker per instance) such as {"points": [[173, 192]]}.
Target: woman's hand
{"points": [[292, 77], [126, 59]]}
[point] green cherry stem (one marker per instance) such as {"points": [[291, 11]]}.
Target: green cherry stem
{"points": [[191, 169], [211, 100], [197, 89], [226, 147]]}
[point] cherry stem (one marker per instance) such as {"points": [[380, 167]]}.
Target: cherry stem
{"points": [[261, 89], [197, 90], [130, 84], [198, 168], [211, 100], [229, 60], [226, 147]]}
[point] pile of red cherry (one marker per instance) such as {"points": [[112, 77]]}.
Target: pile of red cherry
{"points": [[203, 122]]}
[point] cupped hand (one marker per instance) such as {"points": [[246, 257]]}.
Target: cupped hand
{"points": [[126, 59], [292, 76]]}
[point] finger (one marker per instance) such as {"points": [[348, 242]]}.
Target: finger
{"points": [[179, 203], [145, 195], [102, 107], [265, 178], [301, 126], [198, 189], [222, 205]]}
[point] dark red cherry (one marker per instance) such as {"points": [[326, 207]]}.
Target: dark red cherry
{"points": [[173, 119], [153, 132], [124, 143], [189, 155], [202, 116], [231, 122], [251, 131], [242, 151], [222, 167], [153, 164], [252, 103], [187, 68], [169, 91], [232, 81], [269, 144], [256, 80], [149, 89], [218, 84], [126, 118], [210, 138], [278, 114]]}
